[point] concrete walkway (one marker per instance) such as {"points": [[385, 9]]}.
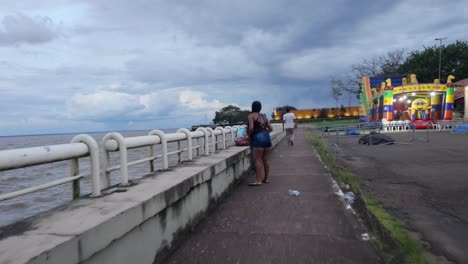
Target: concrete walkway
{"points": [[266, 225]]}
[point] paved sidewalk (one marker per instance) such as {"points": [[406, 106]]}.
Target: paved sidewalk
{"points": [[265, 224]]}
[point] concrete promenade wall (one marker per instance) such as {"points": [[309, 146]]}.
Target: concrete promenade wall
{"points": [[138, 224]]}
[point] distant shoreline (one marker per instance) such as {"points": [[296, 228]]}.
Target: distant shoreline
{"points": [[212, 126], [86, 132], [192, 128]]}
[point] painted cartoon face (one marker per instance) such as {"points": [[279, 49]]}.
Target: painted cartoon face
{"points": [[420, 104]]}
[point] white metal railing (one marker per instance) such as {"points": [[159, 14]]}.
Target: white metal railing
{"points": [[203, 141], [114, 142], [79, 147]]}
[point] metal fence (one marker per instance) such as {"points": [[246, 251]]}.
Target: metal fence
{"points": [[83, 146], [336, 135], [202, 142], [80, 146]]}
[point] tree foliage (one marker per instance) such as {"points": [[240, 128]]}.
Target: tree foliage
{"points": [[231, 115], [385, 65], [336, 93], [425, 63], [282, 110], [342, 110], [346, 85], [323, 113]]}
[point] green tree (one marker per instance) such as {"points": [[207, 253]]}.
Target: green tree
{"points": [[231, 115], [282, 110], [323, 113], [425, 63], [342, 110], [336, 93], [384, 65]]}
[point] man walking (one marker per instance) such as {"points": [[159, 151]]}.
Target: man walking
{"points": [[289, 123]]}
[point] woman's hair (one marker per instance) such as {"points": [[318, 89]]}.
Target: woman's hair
{"points": [[256, 107]]}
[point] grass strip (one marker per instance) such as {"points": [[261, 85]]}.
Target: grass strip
{"points": [[411, 249], [336, 122]]}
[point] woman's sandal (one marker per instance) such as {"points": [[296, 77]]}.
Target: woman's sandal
{"points": [[254, 184]]}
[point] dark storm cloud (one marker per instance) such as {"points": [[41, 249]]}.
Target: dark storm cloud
{"points": [[297, 45], [283, 30], [305, 23], [129, 63], [20, 28]]}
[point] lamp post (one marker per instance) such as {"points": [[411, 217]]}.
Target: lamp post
{"points": [[440, 54]]}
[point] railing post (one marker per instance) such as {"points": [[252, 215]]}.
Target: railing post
{"points": [[74, 171], [206, 143], [94, 158], [105, 165], [123, 157], [198, 148], [213, 139], [223, 136], [151, 162], [179, 154], [162, 136], [234, 132], [232, 135], [189, 141]]}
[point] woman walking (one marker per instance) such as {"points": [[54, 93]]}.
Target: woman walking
{"points": [[260, 142]]}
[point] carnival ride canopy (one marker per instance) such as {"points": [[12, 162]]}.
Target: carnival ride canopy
{"points": [[396, 80]]}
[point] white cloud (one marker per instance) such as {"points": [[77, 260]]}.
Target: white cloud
{"points": [[158, 103], [178, 60], [163, 104], [102, 105], [195, 101]]}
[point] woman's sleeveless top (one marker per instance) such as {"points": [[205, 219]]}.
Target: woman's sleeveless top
{"points": [[258, 125]]}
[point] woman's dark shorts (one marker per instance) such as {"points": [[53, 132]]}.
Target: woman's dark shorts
{"points": [[261, 140]]}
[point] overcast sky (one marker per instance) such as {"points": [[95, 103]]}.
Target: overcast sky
{"points": [[112, 65]]}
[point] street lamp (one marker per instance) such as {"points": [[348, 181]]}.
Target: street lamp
{"points": [[440, 54]]}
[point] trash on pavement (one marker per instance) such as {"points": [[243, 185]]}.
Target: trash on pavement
{"points": [[350, 197], [352, 132], [345, 187], [294, 192], [461, 128]]}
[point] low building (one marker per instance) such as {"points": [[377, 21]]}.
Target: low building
{"points": [[311, 114]]}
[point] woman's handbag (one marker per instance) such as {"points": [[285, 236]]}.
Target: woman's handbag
{"points": [[242, 138]]}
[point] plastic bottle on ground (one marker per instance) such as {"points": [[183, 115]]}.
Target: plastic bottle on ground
{"points": [[294, 192], [350, 197]]}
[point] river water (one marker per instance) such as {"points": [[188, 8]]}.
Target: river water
{"points": [[31, 204]]}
